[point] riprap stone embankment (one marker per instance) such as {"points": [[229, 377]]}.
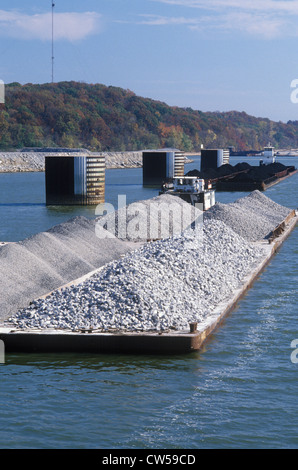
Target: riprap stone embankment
{"points": [[13, 162]]}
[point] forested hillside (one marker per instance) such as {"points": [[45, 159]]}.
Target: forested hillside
{"points": [[97, 117]]}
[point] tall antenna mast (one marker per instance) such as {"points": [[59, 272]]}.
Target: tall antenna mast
{"points": [[53, 6]]}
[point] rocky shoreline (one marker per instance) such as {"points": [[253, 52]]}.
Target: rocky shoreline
{"points": [[33, 161], [15, 162]]}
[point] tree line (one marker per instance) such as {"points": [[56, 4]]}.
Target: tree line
{"points": [[107, 118]]}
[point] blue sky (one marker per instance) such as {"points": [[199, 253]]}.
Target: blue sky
{"points": [[211, 55]]}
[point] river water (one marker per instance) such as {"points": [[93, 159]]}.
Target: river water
{"points": [[239, 391]]}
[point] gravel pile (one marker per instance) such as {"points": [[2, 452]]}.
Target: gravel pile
{"points": [[48, 260], [252, 217], [163, 285], [264, 207], [159, 217]]}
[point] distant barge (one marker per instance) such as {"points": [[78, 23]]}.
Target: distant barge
{"points": [[174, 342], [233, 183], [244, 177]]}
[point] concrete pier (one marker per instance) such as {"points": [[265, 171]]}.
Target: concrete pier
{"points": [[75, 180]]}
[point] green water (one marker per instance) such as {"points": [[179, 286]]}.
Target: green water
{"points": [[240, 391]]}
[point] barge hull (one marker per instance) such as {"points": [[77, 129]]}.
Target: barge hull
{"points": [[98, 343]]}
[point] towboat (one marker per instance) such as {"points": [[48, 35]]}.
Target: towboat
{"points": [[191, 189], [268, 155]]}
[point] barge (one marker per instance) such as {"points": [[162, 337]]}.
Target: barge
{"points": [[247, 182], [152, 342], [244, 177]]}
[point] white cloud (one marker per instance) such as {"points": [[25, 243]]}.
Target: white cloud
{"points": [[285, 6], [245, 22], [255, 24], [263, 18], [156, 20], [67, 26]]}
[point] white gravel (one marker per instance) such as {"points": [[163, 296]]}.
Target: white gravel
{"points": [[253, 217], [159, 217], [36, 266], [264, 207], [163, 285]]}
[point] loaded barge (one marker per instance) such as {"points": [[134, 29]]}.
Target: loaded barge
{"points": [[217, 172], [251, 181], [244, 177], [174, 342]]}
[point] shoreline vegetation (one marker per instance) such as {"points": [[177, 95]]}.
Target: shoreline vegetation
{"points": [[17, 162], [106, 118]]}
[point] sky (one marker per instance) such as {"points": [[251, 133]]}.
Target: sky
{"points": [[209, 55]]}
